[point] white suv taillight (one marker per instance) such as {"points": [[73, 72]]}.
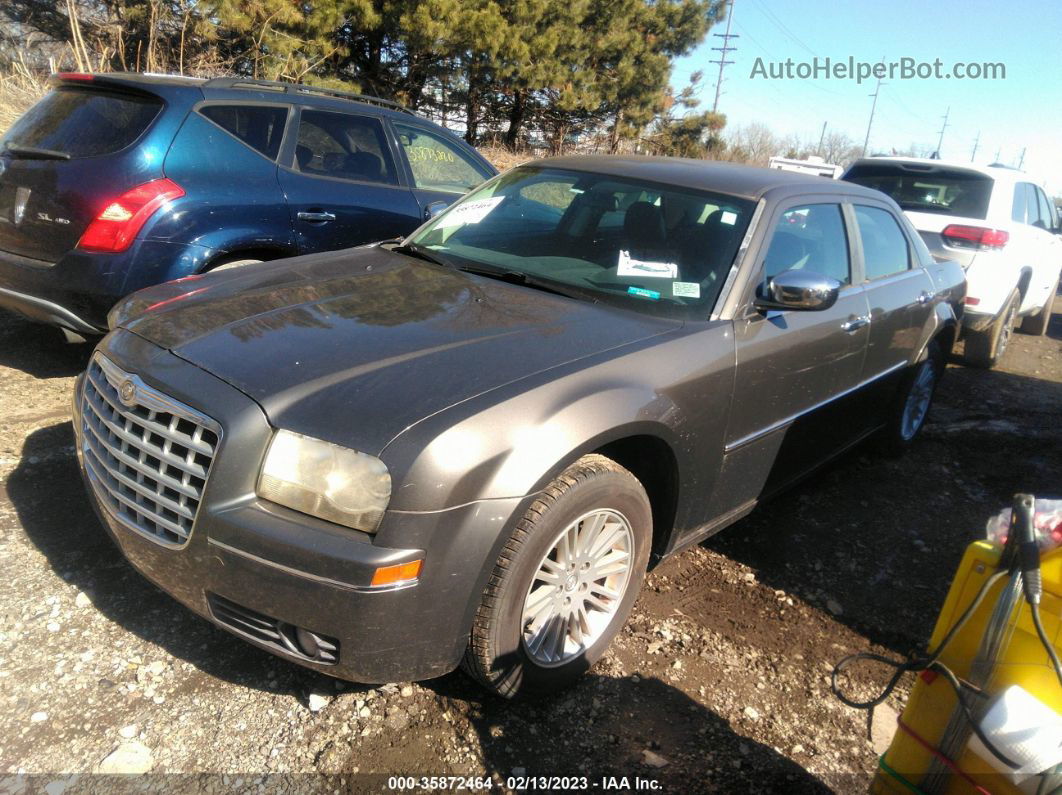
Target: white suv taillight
{"points": [[981, 238]]}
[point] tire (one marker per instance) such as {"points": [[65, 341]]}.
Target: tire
{"points": [[224, 265], [1037, 324], [914, 398], [509, 656], [986, 348]]}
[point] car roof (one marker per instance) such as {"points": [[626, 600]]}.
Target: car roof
{"points": [[735, 179], [998, 172], [242, 88]]}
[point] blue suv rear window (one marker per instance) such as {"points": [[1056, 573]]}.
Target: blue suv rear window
{"points": [[261, 127], [84, 122]]}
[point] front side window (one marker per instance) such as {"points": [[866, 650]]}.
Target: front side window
{"points": [[885, 249], [437, 164], [812, 238], [649, 247], [1047, 214], [261, 127], [343, 146]]}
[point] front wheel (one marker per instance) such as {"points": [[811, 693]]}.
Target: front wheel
{"points": [[565, 582]]}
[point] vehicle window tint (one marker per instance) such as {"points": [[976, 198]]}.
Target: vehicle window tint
{"points": [[260, 127], [1047, 214], [84, 122], [438, 164], [885, 248], [933, 190], [811, 238], [1017, 210], [1033, 217], [343, 146]]}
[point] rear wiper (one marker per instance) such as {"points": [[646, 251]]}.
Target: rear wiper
{"points": [[36, 153]]}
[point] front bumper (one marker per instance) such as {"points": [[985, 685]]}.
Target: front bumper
{"points": [[284, 571]]}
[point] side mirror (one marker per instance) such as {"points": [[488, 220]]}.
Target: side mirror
{"points": [[434, 208], [799, 290]]}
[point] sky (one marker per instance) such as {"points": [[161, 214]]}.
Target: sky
{"points": [[1022, 111]]}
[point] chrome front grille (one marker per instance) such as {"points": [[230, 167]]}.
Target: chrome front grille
{"points": [[147, 455]]}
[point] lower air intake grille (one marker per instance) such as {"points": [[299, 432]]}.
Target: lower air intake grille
{"points": [[276, 634]]}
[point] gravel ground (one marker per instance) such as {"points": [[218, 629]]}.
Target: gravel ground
{"points": [[718, 683]]}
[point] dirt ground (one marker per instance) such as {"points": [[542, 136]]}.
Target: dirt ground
{"points": [[718, 683]]}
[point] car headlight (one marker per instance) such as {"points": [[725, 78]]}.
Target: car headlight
{"points": [[325, 480]]}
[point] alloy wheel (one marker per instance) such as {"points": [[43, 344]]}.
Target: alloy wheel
{"points": [[578, 587]]}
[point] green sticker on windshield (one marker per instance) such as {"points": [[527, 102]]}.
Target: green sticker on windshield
{"points": [[643, 293]]}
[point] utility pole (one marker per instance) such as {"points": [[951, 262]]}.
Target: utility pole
{"points": [[977, 140], [1021, 161], [998, 152], [726, 48], [873, 107], [940, 141], [822, 138]]}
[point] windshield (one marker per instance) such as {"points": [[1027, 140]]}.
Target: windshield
{"points": [[647, 246], [933, 190]]}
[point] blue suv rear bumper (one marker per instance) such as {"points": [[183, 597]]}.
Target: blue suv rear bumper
{"points": [[78, 291]]}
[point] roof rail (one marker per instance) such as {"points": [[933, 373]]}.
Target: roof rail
{"points": [[300, 88]]}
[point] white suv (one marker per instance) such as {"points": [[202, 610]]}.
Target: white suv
{"points": [[997, 223]]}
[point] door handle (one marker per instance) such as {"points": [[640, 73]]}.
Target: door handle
{"points": [[318, 217], [925, 297], [855, 323]]}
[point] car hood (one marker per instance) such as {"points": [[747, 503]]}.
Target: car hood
{"points": [[358, 345]]}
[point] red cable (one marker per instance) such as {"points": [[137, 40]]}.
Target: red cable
{"points": [[954, 767]]}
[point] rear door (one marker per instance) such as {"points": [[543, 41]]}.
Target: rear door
{"points": [[899, 291], [440, 169], [1048, 251], [64, 159], [342, 183]]}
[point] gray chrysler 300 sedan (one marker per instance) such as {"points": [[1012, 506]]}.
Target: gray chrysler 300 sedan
{"points": [[468, 446]]}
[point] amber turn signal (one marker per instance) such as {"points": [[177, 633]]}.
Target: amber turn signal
{"points": [[391, 575]]}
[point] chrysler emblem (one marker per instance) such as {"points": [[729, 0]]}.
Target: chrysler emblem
{"points": [[127, 392], [21, 198]]}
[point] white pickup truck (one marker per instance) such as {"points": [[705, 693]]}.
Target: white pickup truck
{"points": [[998, 223]]}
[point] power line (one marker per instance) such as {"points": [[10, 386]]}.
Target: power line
{"points": [[940, 141], [723, 51], [873, 107], [782, 27]]}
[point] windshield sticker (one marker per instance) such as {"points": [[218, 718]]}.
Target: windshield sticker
{"points": [[470, 212], [729, 218], [686, 289], [643, 293], [636, 267]]}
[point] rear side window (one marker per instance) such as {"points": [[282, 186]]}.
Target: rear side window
{"points": [[343, 146], [811, 238], [260, 127], [885, 249], [930, 190], [84, 122], [1017, 210], [437, 164]]}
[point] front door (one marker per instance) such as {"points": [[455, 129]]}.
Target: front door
{"points": [[793, 366], [342, 185]]}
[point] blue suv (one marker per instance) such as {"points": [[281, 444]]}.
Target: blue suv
{"points": [[113, 182]]}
